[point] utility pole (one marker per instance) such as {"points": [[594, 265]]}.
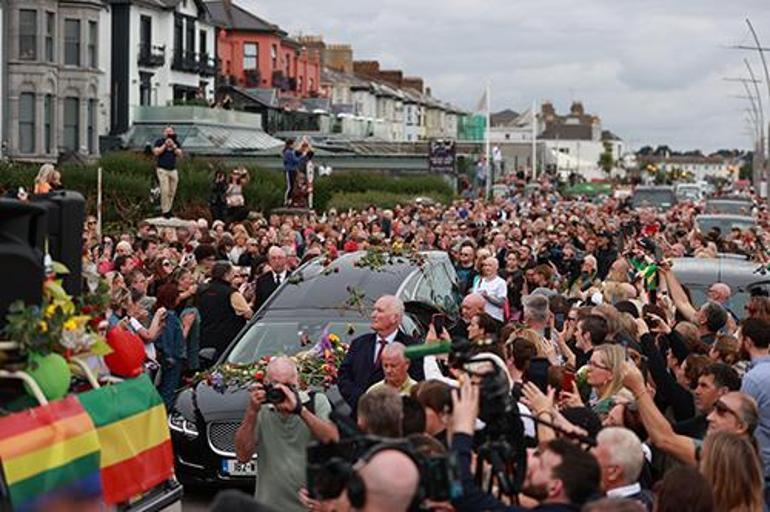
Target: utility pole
{"points": [[761, 50], [758, 160]]}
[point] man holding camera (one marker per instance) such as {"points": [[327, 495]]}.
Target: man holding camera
{"points": [[166, 151], [280, 422]]}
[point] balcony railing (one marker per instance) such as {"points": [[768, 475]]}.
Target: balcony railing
{"points": [[185, 61], [192, 62], [208, 65], [252, 78], [151, 55]]}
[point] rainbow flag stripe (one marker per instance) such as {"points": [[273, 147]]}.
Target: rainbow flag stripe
{"points": [[136, 452], [49, 451]]}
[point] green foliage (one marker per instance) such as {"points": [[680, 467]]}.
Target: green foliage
{"points": [[128, 176], [606, 160]]}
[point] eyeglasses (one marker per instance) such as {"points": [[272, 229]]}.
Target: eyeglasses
{"points": [[721, 408], [599, 366], [167, 264]]}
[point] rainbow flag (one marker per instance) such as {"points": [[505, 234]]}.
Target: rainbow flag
{"points": [[48, 452], [130, 421]]}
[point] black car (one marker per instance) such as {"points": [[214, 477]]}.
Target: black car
{"points": [[336, 298]]}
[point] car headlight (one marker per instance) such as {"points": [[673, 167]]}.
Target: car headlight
{"points": [[179, 423]]}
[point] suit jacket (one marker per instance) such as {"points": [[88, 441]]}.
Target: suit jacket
{"points": [[357, 371], [265, 286]]}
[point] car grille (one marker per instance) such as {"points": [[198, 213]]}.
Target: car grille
{"points": [[222, 436]]}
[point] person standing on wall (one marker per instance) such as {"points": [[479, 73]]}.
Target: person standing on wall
{"points": [[166, 150]]}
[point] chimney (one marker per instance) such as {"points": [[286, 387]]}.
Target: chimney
{"points": [[367, 68], [315, 47], [576, 109], [428, 92], [413, 82], [338, 57], [393, 77]]}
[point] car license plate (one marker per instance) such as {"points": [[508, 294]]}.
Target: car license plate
{"points": [[236, 468]]}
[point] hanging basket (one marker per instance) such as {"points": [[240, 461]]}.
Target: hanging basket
{"points": [[52, 374]]}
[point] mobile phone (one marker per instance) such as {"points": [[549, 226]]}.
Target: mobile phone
{"points": [[439, 322], [567, 381]]}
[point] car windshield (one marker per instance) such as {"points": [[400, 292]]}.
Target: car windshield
{"points": [[662, 198], [289, 336], [729, 207], [725, 224]]}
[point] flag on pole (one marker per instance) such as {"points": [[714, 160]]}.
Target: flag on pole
{"points": [[49, 451], [481, 107], [136, 453]]}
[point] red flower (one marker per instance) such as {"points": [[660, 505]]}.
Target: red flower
{"points": [[259, 375]]}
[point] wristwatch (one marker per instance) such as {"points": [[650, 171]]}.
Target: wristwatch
{"points": [[298, 409]]}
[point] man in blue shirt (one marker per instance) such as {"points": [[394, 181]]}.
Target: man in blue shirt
{"points": [[166, 150], [755, 336]]}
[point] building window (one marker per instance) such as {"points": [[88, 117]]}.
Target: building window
{"points": [[93, 41], [71, 124], [48, 123], [27, 122], [250, 56], [71, 42], [178, 37], [27, 34], [274, 55], [91, 127], [50, 34], [145, 89], [190, 43], [203, 44]]}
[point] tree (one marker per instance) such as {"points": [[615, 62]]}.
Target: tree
{"points": [[645, 151], [606, 159]]}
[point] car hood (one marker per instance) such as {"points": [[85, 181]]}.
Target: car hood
{"points": [[203, 401]]}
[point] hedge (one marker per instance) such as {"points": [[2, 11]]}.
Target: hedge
{"points": [[128, 177]]}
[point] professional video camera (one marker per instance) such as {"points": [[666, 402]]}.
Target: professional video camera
{"points": [[331, 469], [501, 443]]}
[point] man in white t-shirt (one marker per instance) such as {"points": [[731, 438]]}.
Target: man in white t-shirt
{"points": [[492, 287]]}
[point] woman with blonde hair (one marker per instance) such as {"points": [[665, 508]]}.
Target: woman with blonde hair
{"points": [[731, 465], [45, 179], [605, 376]]}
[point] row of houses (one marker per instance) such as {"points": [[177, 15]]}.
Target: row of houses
{"points": [[77, 74]]}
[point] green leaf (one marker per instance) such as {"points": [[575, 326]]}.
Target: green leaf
{"points": [[101, 348], [59, 268]]}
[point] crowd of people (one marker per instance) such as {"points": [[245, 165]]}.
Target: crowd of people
{"points": [[553, 291]]}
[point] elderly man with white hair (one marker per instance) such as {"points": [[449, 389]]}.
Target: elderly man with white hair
{"points": [[362, 366], [621, 457], [395, 366], [280, 432], [492, 287]]}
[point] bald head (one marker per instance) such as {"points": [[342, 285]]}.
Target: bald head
{"points": [[719, 292], [282, 369], [391, 479], [472, 305]]}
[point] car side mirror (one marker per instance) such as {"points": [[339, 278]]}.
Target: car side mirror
{"points": [[207, 356]]}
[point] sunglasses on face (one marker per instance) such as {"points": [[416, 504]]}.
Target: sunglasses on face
{"points": [[721, 409]]}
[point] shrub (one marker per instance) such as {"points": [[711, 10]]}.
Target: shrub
{"points": [[128, 176]]}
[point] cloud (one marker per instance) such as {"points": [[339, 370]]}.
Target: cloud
{"points": [[652, 70]]}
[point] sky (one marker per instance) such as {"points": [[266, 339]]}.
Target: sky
{"points": [[653, 70]]}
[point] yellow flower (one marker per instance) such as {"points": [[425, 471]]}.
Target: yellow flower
{"points": [[43, 326], [71, 324], [50, 310], [334, 338]]}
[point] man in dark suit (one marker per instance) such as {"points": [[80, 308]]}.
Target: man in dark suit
{"points": [[269, 281], [362, 367]]}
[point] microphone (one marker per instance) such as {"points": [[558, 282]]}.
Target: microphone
{"points": [[428, 349]]}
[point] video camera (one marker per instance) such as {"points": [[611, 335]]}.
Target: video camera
{"points": [[331, 468], [501, 443]]}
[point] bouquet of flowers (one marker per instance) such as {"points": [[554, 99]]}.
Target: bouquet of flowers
{"points": [[317, 368]]}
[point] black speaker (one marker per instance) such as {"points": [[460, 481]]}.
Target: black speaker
{"points": [[65, 212], [22, 225]]}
